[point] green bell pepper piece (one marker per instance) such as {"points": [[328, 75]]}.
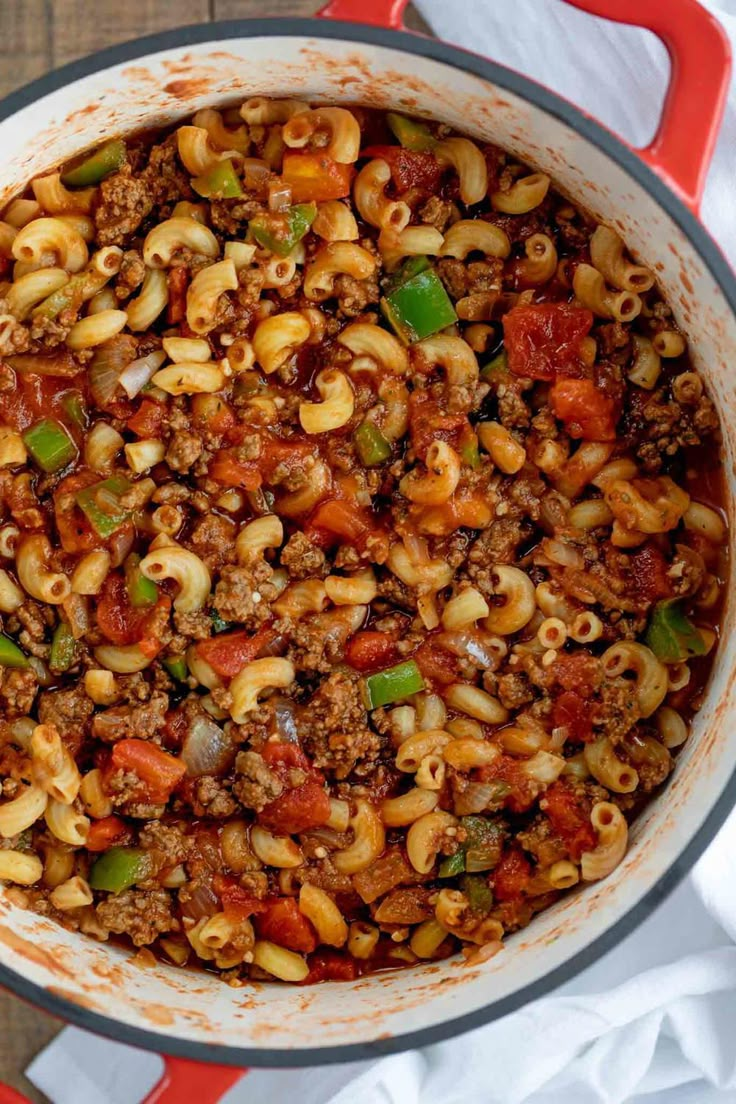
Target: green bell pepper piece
{"points": [[469, 451], [74, 408], [61, 655], [10, 654], [501, 790], [452, 865], [281, 233], [411, 134], [177, 667], [393, 684], [100, 503], [50, 445], [481, 849], [141, 591], [77, 290], [483, 844], [119, 869], [410, 268], [478, 892], [497, 370], [671, 635], [371, 445], [419, 306], [72, 292], [219, 625], [105, 160], [219, 182]]}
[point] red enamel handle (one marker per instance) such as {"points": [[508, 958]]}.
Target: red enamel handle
{"points": [[10, 1096], [185, 1082], [700, 54], [380, 13], [182, 1082]]}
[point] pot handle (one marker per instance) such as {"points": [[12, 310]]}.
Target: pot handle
{"points": [[184, 1080], [379, 13], [10, 1096], [700, 54]]}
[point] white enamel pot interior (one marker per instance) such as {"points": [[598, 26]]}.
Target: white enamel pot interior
{"points": [[161, 80]]}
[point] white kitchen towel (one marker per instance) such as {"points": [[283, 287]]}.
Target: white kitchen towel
{"points": [[653, 1021]]}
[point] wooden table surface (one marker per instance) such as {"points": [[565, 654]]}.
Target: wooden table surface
{"points": [[35, 36]]}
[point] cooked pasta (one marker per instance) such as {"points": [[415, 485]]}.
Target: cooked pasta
{"points": [[361, 542]]}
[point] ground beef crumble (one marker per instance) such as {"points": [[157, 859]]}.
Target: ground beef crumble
{"points": [[141, 914], [17, 691], [125, 200], [256, 784], [244, 593], [69, 710], [334, 728], [301, 558], [184, 448], [141, 722]]}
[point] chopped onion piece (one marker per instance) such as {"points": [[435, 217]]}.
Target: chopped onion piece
{"points": [[207, 749], [255, 173], [108, 364], [483, 648], [279, 195], [140, 372]]}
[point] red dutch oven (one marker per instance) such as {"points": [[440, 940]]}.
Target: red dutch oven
{"points": [[652, 197]]}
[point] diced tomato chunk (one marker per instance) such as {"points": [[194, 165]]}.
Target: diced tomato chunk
{"points": [[647, 574], [289, 451], [521, 791], [570, 818], [281, 756], [225, 468], [296, 810], [585, 411], [228, 653], [281, 922], [235, 900], [176, 728], [428, 422], [511, 876], [543, 339], [436, 665], [370, 651], [159, 772], [217, 419], [465, 509], [42, 396], [155, 620], [177, 281], [409, 168], [105, 832], [573, 712], [148, 419], [75, 532], [315, 176], [338, 519], [327, 965], [117, 619], [578, 671]]}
